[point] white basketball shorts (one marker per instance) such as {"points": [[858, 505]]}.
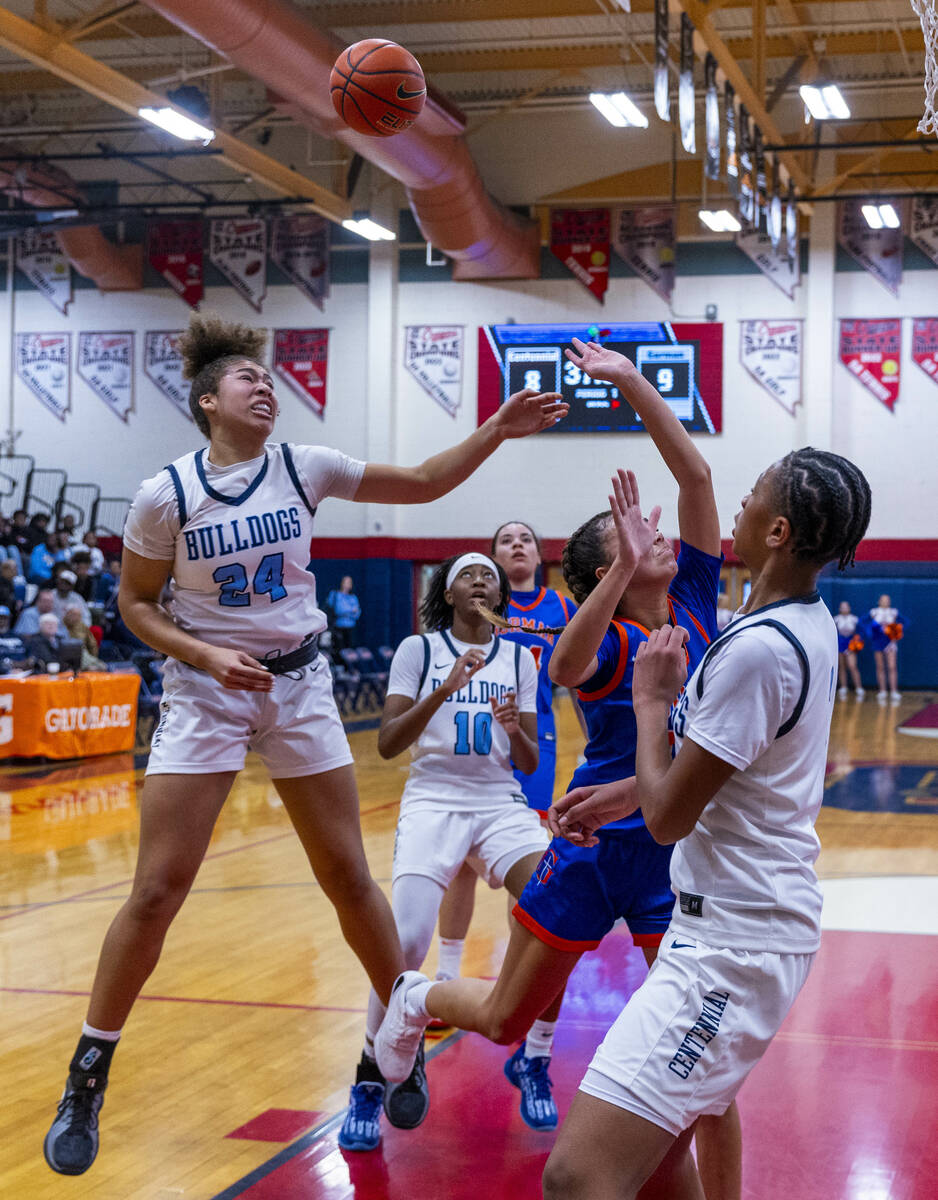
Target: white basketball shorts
{"points": [[436, 842], [687, 1039], [205, 728]]}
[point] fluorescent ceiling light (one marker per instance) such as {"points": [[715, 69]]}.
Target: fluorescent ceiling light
{"points": [[369, 229], [721, 221], [871, 214], [824, 102], [880, 216], [619, 109], [890, 216], [177, 124]]}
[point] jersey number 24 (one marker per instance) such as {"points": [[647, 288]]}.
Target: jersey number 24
{"points": [[268, 580]]}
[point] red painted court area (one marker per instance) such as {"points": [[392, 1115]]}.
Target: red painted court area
{"points": [[843, 1107]]}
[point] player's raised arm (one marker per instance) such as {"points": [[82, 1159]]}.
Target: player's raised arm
{"points": [[522, 414], [697, 510]]}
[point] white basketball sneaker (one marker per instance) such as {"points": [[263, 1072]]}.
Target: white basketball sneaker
{"points": [[398, 1039]]}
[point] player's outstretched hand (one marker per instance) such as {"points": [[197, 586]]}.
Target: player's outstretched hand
{"points": [[634, 534], [660, 667], [581, 812], [238, 671], [599, 362], [463, 670], [530, 412], [506, 713]]}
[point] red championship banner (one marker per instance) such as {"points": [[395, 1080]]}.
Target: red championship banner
{"points": [[878, 250], [580, 239], [53, 717], [871, 350], [301, 358], [174, 249], [925, 345], [238, 248]]}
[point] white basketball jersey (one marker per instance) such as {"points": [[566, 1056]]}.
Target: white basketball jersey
{"points": [[761, 699], [463, 757], [239, 541]]}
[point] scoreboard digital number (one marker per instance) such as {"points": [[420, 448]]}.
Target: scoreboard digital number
{"points": [[684, 363]]}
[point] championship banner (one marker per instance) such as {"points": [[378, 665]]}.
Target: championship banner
{"points": [[732, 150], [871, 350], [746, 195], [792, 225], [686, 104], [301, 358], [42, 362], [774, 212], [662, 80], [162, 365], [39, 256], [758, 160], [433, 355], [924, 225], [238, 248], [925, 345], [711, 119], [784, 271], [878, 250], [174, 249], [106, 363], [299, 245], [645, 239], [580, 239], [771, 353]]}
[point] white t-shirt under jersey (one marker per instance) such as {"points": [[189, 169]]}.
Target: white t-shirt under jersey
{"points": [[463, 757], [239, 541], [744, 877]]}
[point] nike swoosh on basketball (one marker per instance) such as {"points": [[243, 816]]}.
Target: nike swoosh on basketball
{"points": [[404, 94]]}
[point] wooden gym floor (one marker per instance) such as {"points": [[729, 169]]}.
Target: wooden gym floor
{"points": [[235, 1065]]}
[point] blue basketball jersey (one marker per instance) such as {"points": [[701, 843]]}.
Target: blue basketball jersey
{"points": [[606, 697]]}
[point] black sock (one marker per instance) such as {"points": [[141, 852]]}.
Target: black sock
{"points": [[368, 1072], [92, 1058]]}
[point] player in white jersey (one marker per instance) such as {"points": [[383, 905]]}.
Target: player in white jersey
{"points": [[465, 703], [231, 525], [740, 799]]}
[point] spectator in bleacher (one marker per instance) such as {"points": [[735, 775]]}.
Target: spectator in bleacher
{"points": [[46, 645], [345, 610], [8, 596], [108, 585], [65, 596], [37, 529], [80, 564], [63, 545], [28, 623], [44, 556], [66, 527], [90, 541], [76, 628], [19, 533], [12, 648]]}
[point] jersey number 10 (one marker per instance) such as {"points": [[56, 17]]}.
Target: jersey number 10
{"points": [[481, 732]]}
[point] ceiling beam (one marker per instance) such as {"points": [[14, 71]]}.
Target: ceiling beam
{"points": [[105, 14], [429, 12], [78, 69]]}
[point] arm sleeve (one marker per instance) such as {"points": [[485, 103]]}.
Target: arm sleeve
{"points": [[750, 689], [406, 668], [527, 681], [326, 472], [153, 521]]}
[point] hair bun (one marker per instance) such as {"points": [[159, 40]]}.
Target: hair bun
{"points": [[209, 338]]}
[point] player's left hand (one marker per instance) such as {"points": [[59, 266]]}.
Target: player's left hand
{"points": [[507, 714], [599, 362], [660, 666], [577, 815], [530, 412]]}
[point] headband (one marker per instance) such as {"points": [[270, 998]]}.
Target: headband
{"points": [[468, 560]]}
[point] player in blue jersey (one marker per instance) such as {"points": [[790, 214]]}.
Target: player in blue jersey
{"points": [[627, 581], [231, 524]]}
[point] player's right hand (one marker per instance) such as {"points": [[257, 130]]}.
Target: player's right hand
{"points": [[463, 670], [236, 670]]}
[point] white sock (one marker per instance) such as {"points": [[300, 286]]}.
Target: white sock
{"points": [[450, 960], [415, 1004], [103, 1035], [540, 1039]]}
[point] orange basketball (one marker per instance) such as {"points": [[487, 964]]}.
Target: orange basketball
{"points": [[377, 87]]}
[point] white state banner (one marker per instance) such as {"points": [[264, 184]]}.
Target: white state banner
{"points": [[923, 225], [433, 355], [238, 248], [771, 353], [162, 364], [39, 256], [42, 362], [106, 363], [777, 265]]}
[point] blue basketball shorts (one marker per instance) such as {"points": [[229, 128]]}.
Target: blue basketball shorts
{"points": [[538, 787], [577, 894]]}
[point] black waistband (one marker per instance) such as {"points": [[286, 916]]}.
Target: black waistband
{"points": [[302, 656]]}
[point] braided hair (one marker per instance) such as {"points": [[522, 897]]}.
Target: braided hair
{"points": [[437, 613], [583, 553], [826, 500], [209, 347]]}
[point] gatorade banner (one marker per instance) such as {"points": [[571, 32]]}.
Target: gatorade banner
{"points": [[238, 248], [106, 363], [301, 358], [923, 225], [42, 362], [299, 245], [54, 717], [879, 251], [775, 264], [925, 345], [711, 119], [871, 351], [433, 355], [771, 353], [39, 256], [662, 81], [732, 149], [645, 238], [686, 103], [174, 249], [580, 239], [162, 364]]}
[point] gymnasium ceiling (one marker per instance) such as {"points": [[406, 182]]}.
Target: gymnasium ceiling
{"points": [[520, 71]]}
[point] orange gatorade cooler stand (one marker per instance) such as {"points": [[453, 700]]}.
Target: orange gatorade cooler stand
{"points": [[52, 716]]}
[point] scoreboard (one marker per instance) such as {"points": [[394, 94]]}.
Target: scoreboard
{"points": [[684, 362]]}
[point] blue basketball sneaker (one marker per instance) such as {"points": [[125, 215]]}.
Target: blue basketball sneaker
{"points": [[71, 1144], [361, 1129], [538, 1110]]}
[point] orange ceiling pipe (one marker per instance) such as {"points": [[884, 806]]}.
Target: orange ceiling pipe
{"points": [[277, 44]]}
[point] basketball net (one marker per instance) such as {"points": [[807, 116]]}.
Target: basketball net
{"points": [[926, 12]]}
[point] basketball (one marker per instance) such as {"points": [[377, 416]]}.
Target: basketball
{"points": [[377, 87]]}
